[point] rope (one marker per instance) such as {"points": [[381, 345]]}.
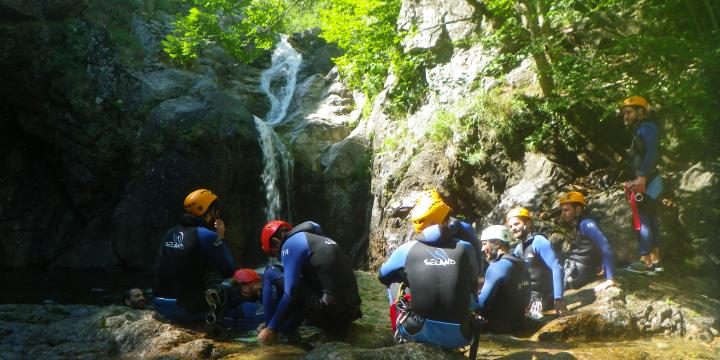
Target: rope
{"points": [[215, 297]]}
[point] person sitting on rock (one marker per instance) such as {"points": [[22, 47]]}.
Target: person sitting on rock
{"points": [[185, 251], [590, 248], [315, 282], [441, 273], [546, 274], [134, 298], [462, 230], [244, 297], [505, 293]]}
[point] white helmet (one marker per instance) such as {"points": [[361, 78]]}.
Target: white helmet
{"points": [[496, 232]]}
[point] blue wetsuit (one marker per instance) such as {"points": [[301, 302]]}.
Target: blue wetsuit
{"points": [[589, 250], [441, 273], [546, 273], [643, 159], [179, 272], [505, 293], [315, 282]]}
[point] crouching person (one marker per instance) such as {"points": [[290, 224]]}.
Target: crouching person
{"points": [[315, 282], [440, 272]]}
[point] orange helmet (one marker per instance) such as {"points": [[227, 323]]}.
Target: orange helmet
{"points": [[636, 101], [518, 212], [198, 201], [429, 209], [269, 230], [572, 197], [245, 276]]}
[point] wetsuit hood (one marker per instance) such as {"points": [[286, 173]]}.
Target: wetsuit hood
{"points": [[193, 220], [435, 235]]}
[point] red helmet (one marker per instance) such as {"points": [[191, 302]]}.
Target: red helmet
{"points": [[269, 230], [246, 275]]}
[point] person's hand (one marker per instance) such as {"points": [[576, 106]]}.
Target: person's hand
{"points": [[604, 285], [627, 187], [220, 228], [560, 307], [639, 184], [266, 336]]}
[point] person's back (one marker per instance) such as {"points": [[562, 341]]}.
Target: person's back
{"points": [[505, 294], [441, 273], [326, 271], [185, 251]]}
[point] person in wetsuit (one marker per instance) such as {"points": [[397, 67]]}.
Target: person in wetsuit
{"points": [[589, 250], [645, 180], [546, 274], [440, 272], [462, 230], [506, 291], [185, 251], [315, 283], [245, 310]]}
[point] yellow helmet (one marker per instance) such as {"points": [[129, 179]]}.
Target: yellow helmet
{"points": [[198, 201], [635, 101], [518, 212], [429, 209], [572, 197]]}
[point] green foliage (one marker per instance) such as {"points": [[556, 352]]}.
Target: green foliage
{"points": [[366, 31], [601, 51], [442, 126], [245, 29]]}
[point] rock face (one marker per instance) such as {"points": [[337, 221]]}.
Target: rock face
{"points": [[104, 147]]}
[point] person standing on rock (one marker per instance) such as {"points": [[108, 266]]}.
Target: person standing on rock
{"points": [[185, 251], [645, 183], [506, 290], [589, 250], [546, 274], [441, 273], [315, 282]]}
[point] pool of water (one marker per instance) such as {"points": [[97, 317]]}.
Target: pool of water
{"points": [[70, 286]]}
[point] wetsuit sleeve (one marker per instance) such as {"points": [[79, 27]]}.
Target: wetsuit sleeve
{"points": [[293, 255], [648, 133], [217, 250], [547, 254], [393, 270], [497, 274], [590, 229]]}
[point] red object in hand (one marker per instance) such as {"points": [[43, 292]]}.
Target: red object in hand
{"points": [[633, 206]]}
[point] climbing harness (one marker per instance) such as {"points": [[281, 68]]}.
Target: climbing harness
{"points": [[215, 297]]}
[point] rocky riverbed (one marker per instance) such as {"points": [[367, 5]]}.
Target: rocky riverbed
{"points": [[643, 318]]}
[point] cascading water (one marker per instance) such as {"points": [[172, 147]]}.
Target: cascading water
{"points": [[278, 82]]}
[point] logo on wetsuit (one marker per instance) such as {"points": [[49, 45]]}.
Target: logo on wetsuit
{"points": [[177, 242], [439, 258]]}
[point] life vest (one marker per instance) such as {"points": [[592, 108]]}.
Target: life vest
{"points": [[583, 250], [637, 151], [506, 310], [540, 277]]}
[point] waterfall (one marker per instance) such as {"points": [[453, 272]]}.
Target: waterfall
{"points": [[278, 82]]}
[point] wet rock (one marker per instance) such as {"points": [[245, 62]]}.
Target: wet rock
{"points": [[408, 351]]}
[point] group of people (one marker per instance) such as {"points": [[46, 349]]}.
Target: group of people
{"points": [[444, 286], [315, 282], [444, 295]]}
